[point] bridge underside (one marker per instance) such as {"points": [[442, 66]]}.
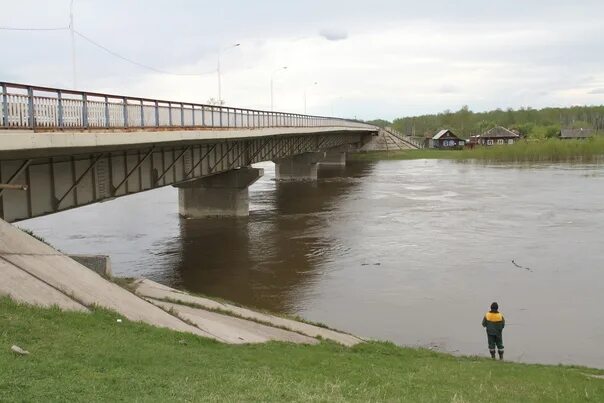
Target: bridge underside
{"points": [[63, 179]]}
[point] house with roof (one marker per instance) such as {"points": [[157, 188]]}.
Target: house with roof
{"points": [[445, 139], [576, 134], [497, 135]]}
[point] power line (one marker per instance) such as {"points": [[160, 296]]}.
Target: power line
{"points": [[144, 66], [3, 28], [109, 51]]}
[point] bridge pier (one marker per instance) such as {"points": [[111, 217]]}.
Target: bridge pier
{"points": [[298, 167], [220, 195], [335, 158]]}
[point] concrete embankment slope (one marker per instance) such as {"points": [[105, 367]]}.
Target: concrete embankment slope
{"points": [[35, 273], [156, 292], [32, 266]]}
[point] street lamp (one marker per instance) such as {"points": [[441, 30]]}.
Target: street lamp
{"points": [[272, 76], [305, 90], [218, 70]]}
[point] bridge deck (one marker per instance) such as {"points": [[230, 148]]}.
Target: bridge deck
{"points": [[16, 143]]}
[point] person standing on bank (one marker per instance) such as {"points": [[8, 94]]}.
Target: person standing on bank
{"points": [[494, 323]]}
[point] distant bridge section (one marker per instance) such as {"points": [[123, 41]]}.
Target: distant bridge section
{"points": [[61, 149]]}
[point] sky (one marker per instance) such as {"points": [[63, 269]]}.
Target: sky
{"points": [[348, 58]]}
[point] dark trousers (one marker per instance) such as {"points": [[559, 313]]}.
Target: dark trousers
{"points": [[495, 340]]}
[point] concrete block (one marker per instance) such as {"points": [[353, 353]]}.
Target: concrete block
{"points": [[100, 264]]}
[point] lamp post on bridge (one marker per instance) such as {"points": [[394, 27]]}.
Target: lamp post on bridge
{"points": [[305, 90], [272, 77], [220, 51]]}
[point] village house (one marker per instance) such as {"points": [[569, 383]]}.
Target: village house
{"points": [[445, 139], [496, 135], [576, 134]]}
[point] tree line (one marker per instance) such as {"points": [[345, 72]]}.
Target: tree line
{"points": [[529, 122]]}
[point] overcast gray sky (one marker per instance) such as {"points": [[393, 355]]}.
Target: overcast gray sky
{"points": [[370, 59]]}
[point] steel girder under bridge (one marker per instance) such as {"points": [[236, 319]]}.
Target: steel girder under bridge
{"points": [[63, 149]]}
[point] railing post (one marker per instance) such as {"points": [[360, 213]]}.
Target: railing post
{"points": [[193, 115], [30, 100], [125, 112], [203, 115], [60, 109], [156, 114], [142, 114], [182, 115], [235, 113], [5, 105], [220, 116], [170, 114], [107, 117], [85, 111]]}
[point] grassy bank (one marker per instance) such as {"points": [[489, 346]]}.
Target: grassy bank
{"points": [[88, 357], [552, 150]]}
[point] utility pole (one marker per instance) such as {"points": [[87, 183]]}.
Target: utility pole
{"points": [[305, 90], [73, 49], [220, 101], [272, 77]]}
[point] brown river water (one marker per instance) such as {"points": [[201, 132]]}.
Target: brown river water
{"points": [[412, 252]]}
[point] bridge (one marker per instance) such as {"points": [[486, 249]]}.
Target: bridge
{"points": [[62, 149]]}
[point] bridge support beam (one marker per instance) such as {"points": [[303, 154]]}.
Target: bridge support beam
{"points": [[298, 167], [221, 195]]}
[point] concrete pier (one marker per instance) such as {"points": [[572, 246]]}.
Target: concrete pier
{"points": [[224, 194], [298, 167], [336, 158]]}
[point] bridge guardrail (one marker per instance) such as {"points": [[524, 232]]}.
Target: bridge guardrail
{"points": [[407, 139], [33, 107]]}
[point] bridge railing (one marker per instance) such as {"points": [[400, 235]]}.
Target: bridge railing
{"points": [[31, 107]]}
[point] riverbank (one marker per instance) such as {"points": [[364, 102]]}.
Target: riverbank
{"points": [[83, 357], [551, 150]]}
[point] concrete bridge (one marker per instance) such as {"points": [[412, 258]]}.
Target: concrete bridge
{"points": [[61, 149]]}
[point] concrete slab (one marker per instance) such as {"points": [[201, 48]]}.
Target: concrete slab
{"points": [[151, 289], [89, 288], [25, 288], [13, 240], [231, 329], [57, 271]]}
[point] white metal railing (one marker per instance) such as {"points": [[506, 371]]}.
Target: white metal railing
{"points": [[31, 107]]}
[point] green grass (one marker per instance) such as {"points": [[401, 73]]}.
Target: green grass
{"points": [[91, 357], [552, 150], [38, 237], [426, 153]]}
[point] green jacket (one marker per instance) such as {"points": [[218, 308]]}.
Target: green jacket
{"points": [[493, 322]]}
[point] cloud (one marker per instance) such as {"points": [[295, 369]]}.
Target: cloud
{"points": [[333, 34], [448, 89], [597, 91]]}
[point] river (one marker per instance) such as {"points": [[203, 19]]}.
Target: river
{"points": [[412, 252]]}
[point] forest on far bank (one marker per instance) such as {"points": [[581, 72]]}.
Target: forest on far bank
{"points": [[529, 122]]}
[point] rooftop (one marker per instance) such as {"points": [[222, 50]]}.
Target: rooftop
{"points": [[499, 132], [576, 133]]}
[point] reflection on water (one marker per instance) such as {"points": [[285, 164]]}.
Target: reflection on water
{"points": [[409, 251], [270, 260]]}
